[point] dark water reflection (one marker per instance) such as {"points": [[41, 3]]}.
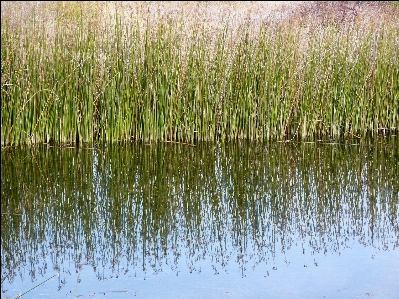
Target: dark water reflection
{"points": [[165, 210]]}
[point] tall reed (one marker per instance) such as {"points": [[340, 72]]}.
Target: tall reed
{"points": [[69, 75]]}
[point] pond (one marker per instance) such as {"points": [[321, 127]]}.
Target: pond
{"points": [[214, 220]]}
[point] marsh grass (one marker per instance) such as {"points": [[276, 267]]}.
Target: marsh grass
{"points": [[95, 72]]}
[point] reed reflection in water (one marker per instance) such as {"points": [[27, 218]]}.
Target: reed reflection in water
{"points": [[167, 208]]}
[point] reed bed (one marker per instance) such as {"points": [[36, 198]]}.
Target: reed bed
{"points": [[74, 72]]}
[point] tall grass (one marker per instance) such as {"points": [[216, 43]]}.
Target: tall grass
{"points": [[70, 73]]}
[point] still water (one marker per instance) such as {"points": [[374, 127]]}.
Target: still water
{"points": [[234, 220]]}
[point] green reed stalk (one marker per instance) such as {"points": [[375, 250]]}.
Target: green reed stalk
{"points": [[78, 79]]}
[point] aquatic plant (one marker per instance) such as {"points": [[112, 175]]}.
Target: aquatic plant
{"points": [[75, 72]]}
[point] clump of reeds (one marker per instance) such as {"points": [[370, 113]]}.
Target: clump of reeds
{"points": [[96, 72]]}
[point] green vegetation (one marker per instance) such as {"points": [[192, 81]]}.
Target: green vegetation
{"points": [[76, 72]]}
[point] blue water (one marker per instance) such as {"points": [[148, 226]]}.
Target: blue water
{"points": [[356, 271], [176, 222]]}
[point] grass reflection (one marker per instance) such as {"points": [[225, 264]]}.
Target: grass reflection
{"points": [[118, 209]]}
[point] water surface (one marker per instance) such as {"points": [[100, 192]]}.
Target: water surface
{"points": [[234, 220]]}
